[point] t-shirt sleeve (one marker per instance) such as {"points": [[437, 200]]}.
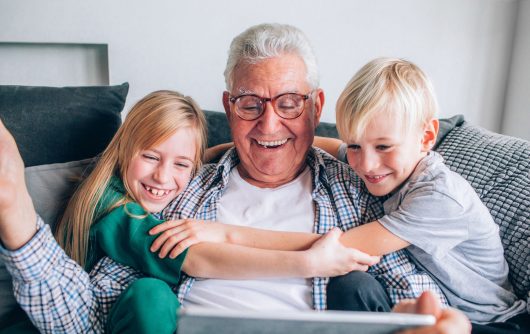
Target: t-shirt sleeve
{"points": [[123, 236], [342, 153], [430, 220]]}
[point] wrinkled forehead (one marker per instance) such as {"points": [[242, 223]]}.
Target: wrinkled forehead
{"points": [[273, 75]]}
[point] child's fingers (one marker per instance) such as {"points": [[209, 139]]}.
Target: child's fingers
{"points": [[359, 267], [182, 246], [166, 225], [363, 258], [171, 242], [176, 233]]}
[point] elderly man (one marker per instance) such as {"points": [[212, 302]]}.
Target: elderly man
{"points": [[272, 179]]}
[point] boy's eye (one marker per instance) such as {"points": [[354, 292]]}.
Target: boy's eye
{"points": [[383, 147], [354, 147]]}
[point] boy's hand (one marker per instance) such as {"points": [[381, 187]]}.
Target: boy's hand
{"points": [[330, 258], [177, 235]]}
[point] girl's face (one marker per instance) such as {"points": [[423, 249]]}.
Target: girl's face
{"points": [[158, 174]]}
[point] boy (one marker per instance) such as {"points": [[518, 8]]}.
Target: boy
{"points": [[387, 117]]}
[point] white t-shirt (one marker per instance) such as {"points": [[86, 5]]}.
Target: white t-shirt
{"points": [[286, 208]]}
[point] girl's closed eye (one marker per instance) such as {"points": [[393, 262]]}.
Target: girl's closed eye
{"points": [[150, 156], [182, 165], [354, 147]]}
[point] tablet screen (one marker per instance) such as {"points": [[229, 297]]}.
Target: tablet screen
{"points": [[206, 321]]}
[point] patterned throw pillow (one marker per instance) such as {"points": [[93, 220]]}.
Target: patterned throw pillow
{"points": [[498, 167]]}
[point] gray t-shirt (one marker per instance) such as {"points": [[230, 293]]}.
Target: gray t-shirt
{"points": [[454, 238]]}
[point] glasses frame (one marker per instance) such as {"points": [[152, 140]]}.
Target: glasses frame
{"points": [[264, 100]]}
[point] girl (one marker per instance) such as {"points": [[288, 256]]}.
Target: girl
{"points": [[147, 164]]}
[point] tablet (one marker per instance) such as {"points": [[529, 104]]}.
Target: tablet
{"points": [[208, 321]]}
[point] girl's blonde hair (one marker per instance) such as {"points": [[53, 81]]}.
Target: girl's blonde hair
{"points": [[151, 121], [393, 86]]}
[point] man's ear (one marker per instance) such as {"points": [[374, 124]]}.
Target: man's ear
{"points": [[318, 104], [226, 103], [430, 131]]}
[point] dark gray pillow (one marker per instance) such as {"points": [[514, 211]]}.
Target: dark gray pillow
{"points": [[52, 124], [498, 168]]}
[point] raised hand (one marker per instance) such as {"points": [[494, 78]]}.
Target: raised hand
{"points": [[334, 259], [448, 320], [17, 215], [177, 235]]}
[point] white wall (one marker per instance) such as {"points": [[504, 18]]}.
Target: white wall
{"points": [[465, 46], [517, 112]]}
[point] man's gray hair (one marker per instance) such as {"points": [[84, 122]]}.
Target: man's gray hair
{"points": [[265, 41]]}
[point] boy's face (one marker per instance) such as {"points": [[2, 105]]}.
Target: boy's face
{"points": [[386, 155], [157, 175]]}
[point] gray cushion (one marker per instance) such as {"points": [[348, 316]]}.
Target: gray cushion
{"points": [[498, 167], [52, 124], [51, 186]]}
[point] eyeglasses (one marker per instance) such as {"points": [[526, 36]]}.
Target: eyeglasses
{"points": [[288, 106]]}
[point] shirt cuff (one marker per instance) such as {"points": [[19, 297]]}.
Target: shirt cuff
{"points": [[34, 260]]}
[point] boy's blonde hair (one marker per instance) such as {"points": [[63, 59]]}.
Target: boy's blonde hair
{"points": [[151, 121], [393, 86]]}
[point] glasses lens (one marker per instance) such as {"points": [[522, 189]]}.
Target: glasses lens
{"points": [[290, 105], [249, 107]]}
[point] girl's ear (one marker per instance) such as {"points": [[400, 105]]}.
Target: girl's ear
{"points": [[430, 131]]}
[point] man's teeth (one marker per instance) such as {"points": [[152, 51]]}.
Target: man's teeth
{"points": [[272, 143], [157, 192]]}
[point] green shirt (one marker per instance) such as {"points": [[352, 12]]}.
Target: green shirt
{"points": [[122, 234]]}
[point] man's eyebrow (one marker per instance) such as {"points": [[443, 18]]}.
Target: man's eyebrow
{"points": [[242, 91]]}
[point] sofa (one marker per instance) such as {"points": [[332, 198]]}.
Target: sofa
{"points": [[59, 131]]}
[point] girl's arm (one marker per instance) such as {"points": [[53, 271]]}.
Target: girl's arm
{"points": [[327, 257], [125, 239], [176, 236]]}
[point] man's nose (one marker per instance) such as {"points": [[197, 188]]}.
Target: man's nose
{"points": [[270, 122]]}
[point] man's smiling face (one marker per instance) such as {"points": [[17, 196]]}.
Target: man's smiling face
{"points": [[272, 150]]}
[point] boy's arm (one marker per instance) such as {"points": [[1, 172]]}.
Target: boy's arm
{"points": [[214, 153], [330, 145], [373, 239]]}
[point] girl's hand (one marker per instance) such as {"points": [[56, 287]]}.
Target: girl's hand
{"points": [[177, 235], [330, 258]]}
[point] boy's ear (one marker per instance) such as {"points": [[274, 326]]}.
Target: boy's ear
{"points": [[430, 131]]}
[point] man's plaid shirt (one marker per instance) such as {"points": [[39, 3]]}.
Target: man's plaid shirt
{"points": [[339, 201], [60, 297]]}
